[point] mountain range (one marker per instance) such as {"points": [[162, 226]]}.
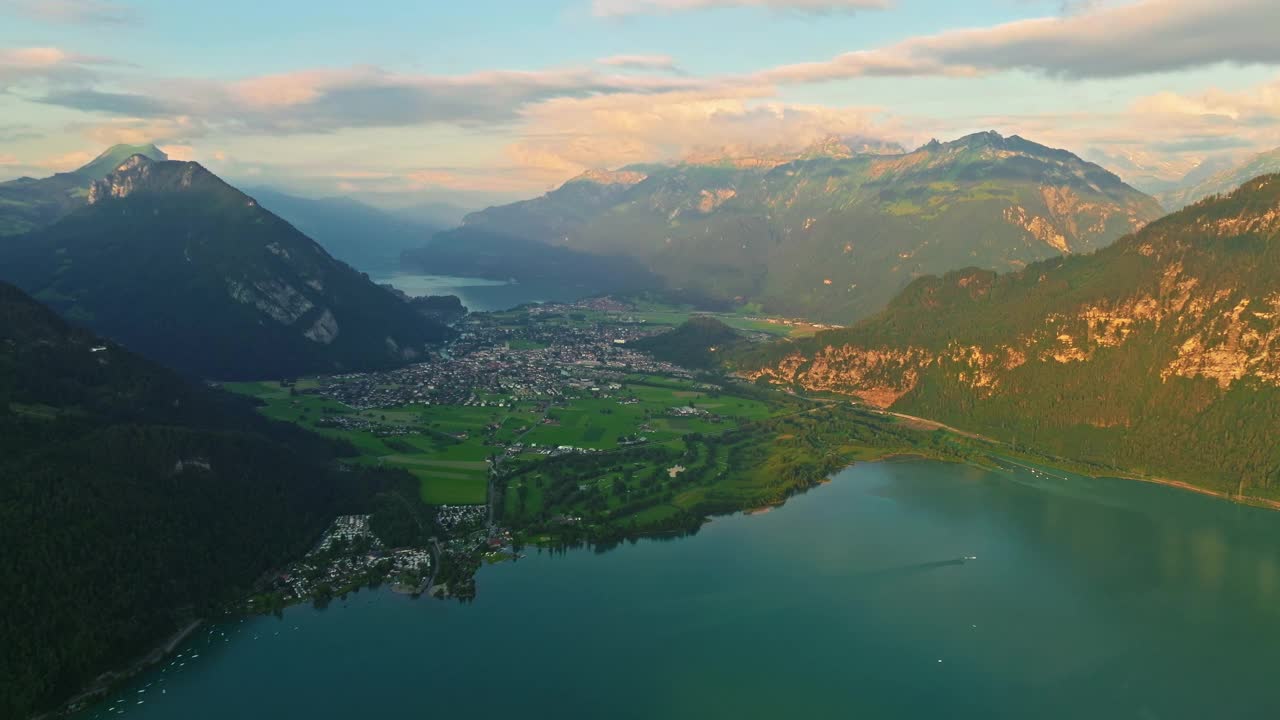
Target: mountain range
{"points": [[1158, 355], [832, 233], [174, 263]]}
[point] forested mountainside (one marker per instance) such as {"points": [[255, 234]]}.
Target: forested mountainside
{"points": [[831, 235], [176, 264], [132, 501], [1158, 355]]}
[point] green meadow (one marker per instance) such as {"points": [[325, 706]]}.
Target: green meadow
{"points": [[448, 447]]}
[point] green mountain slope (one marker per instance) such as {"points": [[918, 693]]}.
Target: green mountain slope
{"points": [[834, 234], [130, 502], [701, 342], [360, 235], [174, 263], [1224, 181], [27, 203], [1159, 354]]}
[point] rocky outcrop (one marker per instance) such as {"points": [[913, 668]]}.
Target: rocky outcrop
{"points": [[140, 173], [611, 177], [276, 299], [1037, 227], [325, 329]]}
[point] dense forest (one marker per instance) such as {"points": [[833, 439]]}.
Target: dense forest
{"points": [[132, 501]]}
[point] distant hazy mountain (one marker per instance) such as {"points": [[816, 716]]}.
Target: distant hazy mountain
{"points": [[1197, 187], [831, 235], [29, 203], [112, 157], [367, 238], [1159, 354], [1152, 173], [174, 263], [438, 214]]}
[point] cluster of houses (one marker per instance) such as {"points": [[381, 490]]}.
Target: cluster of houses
{"points": [[452, 517], [490, 364], [348, 553]]}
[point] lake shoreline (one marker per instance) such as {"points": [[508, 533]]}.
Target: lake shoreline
{"points": [[838, 568], [1248, 500], [107, 681]]}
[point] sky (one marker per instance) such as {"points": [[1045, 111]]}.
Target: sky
{"points": [[479, 101]]}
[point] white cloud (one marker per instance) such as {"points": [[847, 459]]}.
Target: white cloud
{"points": [[329, 100], [660, 63], [71, 12], [622, 8], [1099, 40], [136, 131], [65, 161], [564, 137], [535, 128], [46, 66], [183, 153]]}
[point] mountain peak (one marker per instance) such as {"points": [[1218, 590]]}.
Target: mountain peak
{"points": [[831, 146], [974, 141], [611, 177], [112, 157], [846, 146], [140, 173]]}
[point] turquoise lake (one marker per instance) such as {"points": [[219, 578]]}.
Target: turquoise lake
{"points": [[1087, 599], [481, 295]]}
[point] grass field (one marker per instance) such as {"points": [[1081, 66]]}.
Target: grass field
{"points": [[449, 470], [447, 447]]}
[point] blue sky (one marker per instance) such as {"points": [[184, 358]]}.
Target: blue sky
{"points": [[504, 98]]}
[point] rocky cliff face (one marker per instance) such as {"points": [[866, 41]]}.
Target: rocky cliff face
{"points": [[1168, 327], [141, 174]]}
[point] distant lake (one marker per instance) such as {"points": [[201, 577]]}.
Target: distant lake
{"points": [[480, 294], [1087, 599]]}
